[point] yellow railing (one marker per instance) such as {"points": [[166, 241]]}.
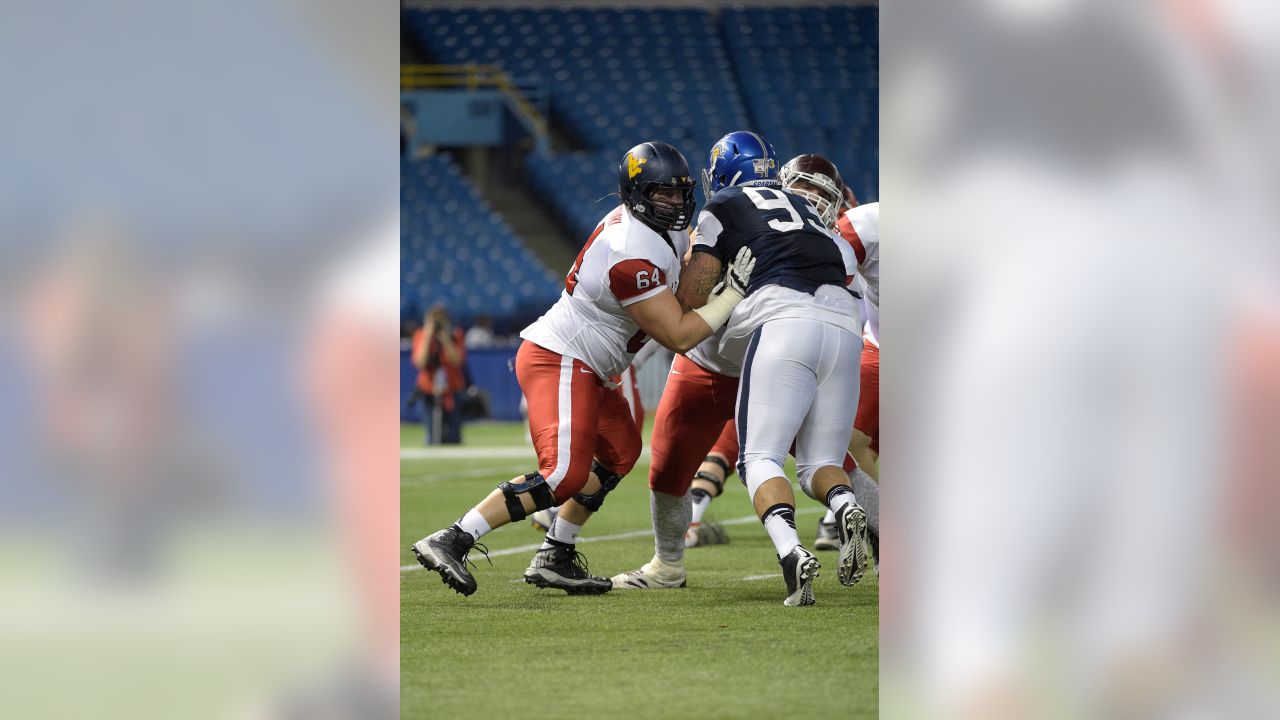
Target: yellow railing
{"points": [[472, 77]]}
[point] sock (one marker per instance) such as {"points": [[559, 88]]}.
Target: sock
{"points": [[563, 532], [701, 501], [780, 521], [829, 518], [868, 497], [837, 497], [670, 519], [474, 524]]}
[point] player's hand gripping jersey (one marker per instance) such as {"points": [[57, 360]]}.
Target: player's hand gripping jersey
{"points": [[802, 269], [623, 262]]}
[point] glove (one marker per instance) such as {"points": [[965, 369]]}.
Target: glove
{"points": [[726, 296], [738, 275]]}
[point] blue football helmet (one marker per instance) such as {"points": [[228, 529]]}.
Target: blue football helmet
{"points": [[740, 158]]}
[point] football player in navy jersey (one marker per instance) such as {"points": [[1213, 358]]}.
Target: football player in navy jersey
{"points": [[796, 347]]}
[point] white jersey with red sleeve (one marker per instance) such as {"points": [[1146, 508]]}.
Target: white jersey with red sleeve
{"points": [[708, 356], [623, 262], [861, 227]]}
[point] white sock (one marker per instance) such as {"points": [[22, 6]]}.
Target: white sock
{"points": [[830, 517], [701, 501], [837, 497], [780, 522], [562, 531], [670, 520], [474, 524]]}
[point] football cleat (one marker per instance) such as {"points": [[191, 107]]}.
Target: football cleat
{"points": [[563, 567], [875, 551], [799, 568], [446, 553], [653, 575], [703, 534], [541, 520], [851, 522], [828, 537]]}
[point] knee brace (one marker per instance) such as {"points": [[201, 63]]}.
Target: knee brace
{"points": [[608, 481], [535, 487], [719, 461], [717, 482]]}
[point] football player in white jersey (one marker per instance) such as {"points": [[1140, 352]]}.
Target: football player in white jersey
{"points": [[702, 388], [620, 289], [860, 226]]}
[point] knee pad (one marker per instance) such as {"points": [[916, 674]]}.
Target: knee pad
{"points": [[805, 475], [758, 469], [717, 482], [608, 481], [535, 487]]}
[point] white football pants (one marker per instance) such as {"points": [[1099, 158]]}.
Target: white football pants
{"points": [[799, 382]]}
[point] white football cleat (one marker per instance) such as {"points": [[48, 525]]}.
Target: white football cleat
{"points": [[653, 575], [799, 568], [704, 534], [542, 519], [851, 522]]}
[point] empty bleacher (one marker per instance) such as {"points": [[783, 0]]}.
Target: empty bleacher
{"points": [[455, 250], [806, 78]]}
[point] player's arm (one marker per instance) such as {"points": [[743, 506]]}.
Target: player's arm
{"points": [[706, 259], [699, 276], [662, 318]]}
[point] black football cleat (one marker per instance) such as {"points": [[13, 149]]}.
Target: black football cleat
{"points": [[799, 568], [446, 553], [563, 567], [828, 537]]}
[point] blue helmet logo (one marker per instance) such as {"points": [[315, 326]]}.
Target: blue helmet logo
{"points": [[740, 158]]}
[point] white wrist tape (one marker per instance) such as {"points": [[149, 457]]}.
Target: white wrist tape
{"points": [[719, 307]]}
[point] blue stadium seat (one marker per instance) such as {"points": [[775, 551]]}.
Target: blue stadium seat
{"points": [[805, 77], [455, 250]]}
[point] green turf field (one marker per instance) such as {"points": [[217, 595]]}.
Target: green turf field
{"points": [[725, 647]]}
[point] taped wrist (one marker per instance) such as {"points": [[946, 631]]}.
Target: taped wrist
{"points": [[535, 487], [608, 481], [719, 307]]}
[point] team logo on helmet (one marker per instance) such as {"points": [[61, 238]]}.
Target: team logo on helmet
{"points": [[763, 165], [633, 165], [716, 152]]}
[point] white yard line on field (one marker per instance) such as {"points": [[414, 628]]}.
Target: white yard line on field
{"points": [[488, 470], [770, 576], [499, 452], [745, 519]]}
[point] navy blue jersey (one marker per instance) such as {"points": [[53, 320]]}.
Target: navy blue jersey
{"points": [[790, 244]]}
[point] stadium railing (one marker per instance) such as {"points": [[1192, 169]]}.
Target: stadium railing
{"points": [[472, 77]]}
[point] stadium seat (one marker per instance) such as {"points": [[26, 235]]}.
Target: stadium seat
{"points": [[804, 77], [455, 250]]}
